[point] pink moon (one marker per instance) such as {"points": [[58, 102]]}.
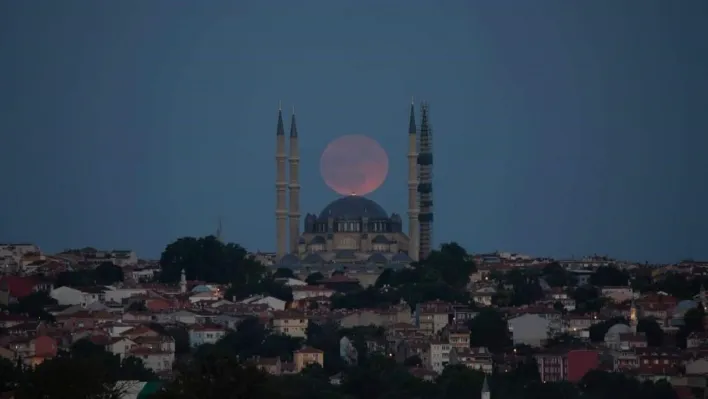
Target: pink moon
{"points": [[354, 165]]}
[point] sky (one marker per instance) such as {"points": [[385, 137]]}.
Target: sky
{"points": [[561, 128]]}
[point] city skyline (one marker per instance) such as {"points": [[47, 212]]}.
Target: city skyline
{"points": [[553, 136]]}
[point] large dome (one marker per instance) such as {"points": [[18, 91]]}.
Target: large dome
{"points": [[353, 207]]}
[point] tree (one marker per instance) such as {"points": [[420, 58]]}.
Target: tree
{"points": [[208, 259], [457, 382], [314, 278], [381, 377], [220, 377], [598, 384], [413, 361], [676, 285], [137, 306], [284, 272], [245, 342], [385, 278], [133, 369], [598, 331], [34, 305], [107, 274], [10, 375], [692, 322], [70, 377], [279, 345], [526, 292], [79, 278], [609, 276], [652, 330], [556, 276], [587, 299], [693, 319], [489, 329], [325, 337], [452, 263]]}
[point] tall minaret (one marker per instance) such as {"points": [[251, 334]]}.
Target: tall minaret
{"points": [[219, 231], [486, 393], [413, 246], [294, 187], [425, 187], [183, 282], [633, 317], [281, 184]]}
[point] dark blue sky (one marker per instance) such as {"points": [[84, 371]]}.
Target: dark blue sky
{"points": [[561, 127]]}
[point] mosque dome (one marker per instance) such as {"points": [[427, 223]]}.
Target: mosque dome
{"points": [[619, 328], [353, 207]]}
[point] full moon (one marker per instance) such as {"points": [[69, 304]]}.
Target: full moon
{"points": [[354, 165]]}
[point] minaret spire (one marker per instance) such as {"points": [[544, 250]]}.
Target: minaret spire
{"points": [[219, 231], [294, 187], [486, 392], [633, 317], [281, 184], [413, 211], [183, 281], [425, 186]]}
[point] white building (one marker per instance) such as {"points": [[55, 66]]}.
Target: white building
{"points": [[72, 296], [272, 302], [310, 291], [529, 329], [200, 335], [290, 323], [119, 294], [291, 282], [437, 356]]}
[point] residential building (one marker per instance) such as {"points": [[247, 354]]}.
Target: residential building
{"points": [[437, 355], [306, 356], [205, 334], [529, 329], [75, 296], [552, 365], [293, 324], [475, 358], [431, 317]]}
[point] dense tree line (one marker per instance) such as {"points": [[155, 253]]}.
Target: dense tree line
{"points": [[104, 274], [32, 305], [86, 371], [210, 260], [443, 275], [379, 376]]}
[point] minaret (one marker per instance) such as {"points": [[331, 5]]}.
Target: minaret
{"points": [[633, 318], [183, 282], [425, 186], [294, 187], [703, 297], [486, 393], [281, 184], [413, 211], [219, 231]]}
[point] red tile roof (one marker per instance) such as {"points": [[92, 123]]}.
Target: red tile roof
{"points": [[19, 287]]}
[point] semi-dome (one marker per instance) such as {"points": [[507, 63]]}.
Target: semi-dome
{"points": [[353, 207]]}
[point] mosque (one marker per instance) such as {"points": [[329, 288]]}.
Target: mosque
{"points": [[353, 231]]}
